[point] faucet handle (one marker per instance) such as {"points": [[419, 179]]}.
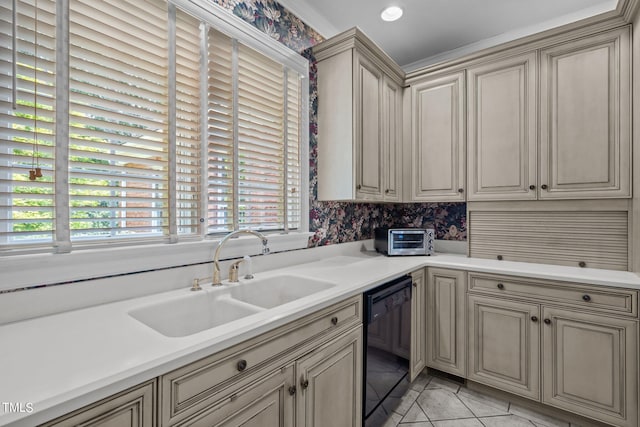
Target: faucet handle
{"points": [[249, 267], [233, 271], [196, 285]]}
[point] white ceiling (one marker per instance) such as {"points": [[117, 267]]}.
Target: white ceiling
{"points": [[435, 30]]}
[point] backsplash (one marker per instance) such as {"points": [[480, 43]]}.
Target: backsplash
{"points": [[340, 222]]}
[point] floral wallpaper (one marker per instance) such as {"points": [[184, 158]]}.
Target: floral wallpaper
{"points": [[339, 222]]}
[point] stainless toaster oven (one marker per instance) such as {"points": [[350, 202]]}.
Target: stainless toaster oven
{"points": [[404, 241]]}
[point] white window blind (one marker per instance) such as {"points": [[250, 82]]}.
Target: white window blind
{"points": [[253, 142], [173, 130], [118, 96], [188, 124], [27, 207]]}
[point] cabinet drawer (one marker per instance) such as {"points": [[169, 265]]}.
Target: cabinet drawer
{"points": [[598, 298], [195, 386]]}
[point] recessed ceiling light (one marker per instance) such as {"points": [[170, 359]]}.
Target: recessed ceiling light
{"points": [[391, 13]]}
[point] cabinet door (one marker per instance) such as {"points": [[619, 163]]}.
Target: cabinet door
{"points": [[589, 365], [585, 118], [504, 345], [417, 359], [502, 126], [368, 125], [446, 320], [392, 141], [330, 384], [267, 402], [437, 140], [132, 408]]}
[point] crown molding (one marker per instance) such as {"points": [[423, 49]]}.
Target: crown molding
{"points": [[356, 38], [311, 17]]}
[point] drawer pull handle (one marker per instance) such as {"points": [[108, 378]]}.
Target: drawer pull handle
{"points": [[500, 286], [242, 365], [334, 320], [547, 321], [292, 390], [304, 383], [534, 318], [587, 298]]}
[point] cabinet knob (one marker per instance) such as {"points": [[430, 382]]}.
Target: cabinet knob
{"points": [[499, 257], [358, 187], [386, 191], [586, 298], [547, 321], [582, 264], [292, 390], [544, 186], [532, 187], [242, 365], [334, 320], [500, 286], [304, 383], [460, 190], [534, 318]]}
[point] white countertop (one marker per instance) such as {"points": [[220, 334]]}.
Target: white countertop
{"points": [[62, 362]]}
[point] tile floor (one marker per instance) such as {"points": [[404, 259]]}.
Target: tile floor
{"points": [[432, 401]]}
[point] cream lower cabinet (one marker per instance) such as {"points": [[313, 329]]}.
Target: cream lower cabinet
{"points": [[417, 354], [329, 384], [135, 407], [589, 365], [446, 320], [504, 345], [570, 346], [296, 375]]}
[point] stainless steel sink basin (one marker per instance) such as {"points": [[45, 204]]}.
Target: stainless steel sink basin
{"points": [[277, 290], [192, 313]]}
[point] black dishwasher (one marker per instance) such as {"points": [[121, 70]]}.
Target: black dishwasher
{"points": [[387, 335]]}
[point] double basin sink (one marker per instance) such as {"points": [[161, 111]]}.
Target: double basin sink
{"points": [[192, 312]]}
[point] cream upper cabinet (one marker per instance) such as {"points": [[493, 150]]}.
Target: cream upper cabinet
{"points": [[368, 129], [585, 90], [392, 141], [502, 129], [359, 120], [446, 320], [437, 171]]}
